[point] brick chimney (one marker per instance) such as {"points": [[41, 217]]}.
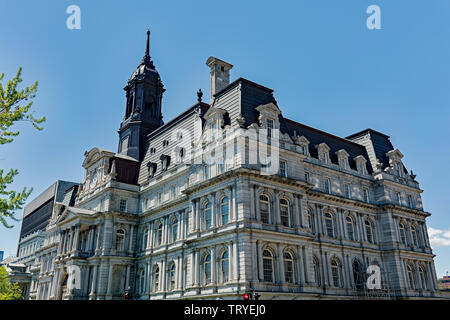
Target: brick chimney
{"points": [[220, 74]]}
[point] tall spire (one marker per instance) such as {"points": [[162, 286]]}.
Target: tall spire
{"points": [[146, 60], [147, 48]]}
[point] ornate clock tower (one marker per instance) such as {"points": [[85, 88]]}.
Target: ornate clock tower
{"points": [[144, 92]]}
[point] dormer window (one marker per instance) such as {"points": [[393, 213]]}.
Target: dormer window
{"points": [[342, 156], [323, 150], [302, 143], [214, 131], [361, 164], [269, 127], [165, 162], [283, 169], [399, 168], [151, 169], [395, 162]]}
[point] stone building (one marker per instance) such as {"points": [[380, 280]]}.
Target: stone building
{"points": [[231, 197]]}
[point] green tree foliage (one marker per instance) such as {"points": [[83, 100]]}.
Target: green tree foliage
{"points": [[14, 106], [8, 290]]}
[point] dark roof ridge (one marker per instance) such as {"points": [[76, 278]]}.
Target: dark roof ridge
{"points": [[324, 132], [238, 80], [367, 130], [171, 121]]}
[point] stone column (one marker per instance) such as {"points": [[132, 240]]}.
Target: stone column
{"points": [[213, 265], [150, 239], [197, 268], [165, 237], [300, 270], [110, 279], [130, 241], [75, 238], [230, 268], [197, 215], [94, 283], [127, 279], [253, 213], [276, 207], [234, 204], [259, 260], [282, 277], [193, 225], [235, 261], [257, 209], [148, 273], [99, 239], [213, 210]]}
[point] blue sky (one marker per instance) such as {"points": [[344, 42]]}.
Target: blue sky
{"points": [[327, 69]]}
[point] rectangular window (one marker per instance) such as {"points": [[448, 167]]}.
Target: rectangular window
{"points": [[399, 198], [366, 195], [173, 191], [327, 185], [206, 172], [307, 177], [346, 190], [283, 168], [214, 132], [123, 205], [159, 197], [269, 127], [410, 201]]}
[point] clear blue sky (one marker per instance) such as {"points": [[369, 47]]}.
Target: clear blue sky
{"points": [[327, 69]]}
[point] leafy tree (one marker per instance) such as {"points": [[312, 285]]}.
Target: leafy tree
{"points": [[14, 107], [8, 290]]}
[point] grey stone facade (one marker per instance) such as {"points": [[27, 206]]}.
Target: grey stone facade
{"points": [[161, 221]]}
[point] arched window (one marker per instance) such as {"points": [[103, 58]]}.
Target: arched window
{"points": [[402, 228], [316, 268], [120, 239], [207, 215], [141, 281], [423, 277], [285, 214], [144, 239], [358, 276], [206, 269], [311, 222], [370, 231], [329, 222], [411, 276], [159, 232], [336, 272], [174, 229], [172, 278], [268, 266], [264, 209], [350, 228], [155, 278], [288, 267], [224, 210], [224, 267], [415, 238]]}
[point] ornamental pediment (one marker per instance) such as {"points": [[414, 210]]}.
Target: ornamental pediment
{"points": [[94, 155]]}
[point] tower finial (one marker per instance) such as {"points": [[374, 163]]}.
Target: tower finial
{"points": [[146, 59], [147, 48]]}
